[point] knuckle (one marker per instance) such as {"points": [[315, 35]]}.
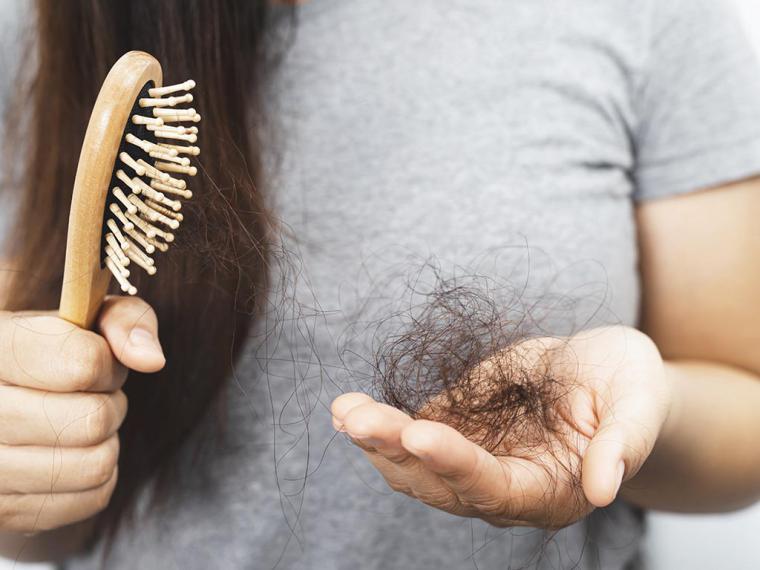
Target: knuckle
{"points": [[439, 498], [398, 486], [100, 463], [18, 514], [103, 495], [10, 516], [21, 523], [99, 419], [403, 460], [120, 404], [84, 360]]}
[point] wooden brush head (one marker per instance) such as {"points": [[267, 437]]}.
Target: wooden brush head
{"points": [[125, 205]]}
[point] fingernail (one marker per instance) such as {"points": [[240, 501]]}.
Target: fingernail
{"points": [[620, 474], [144, 340]]}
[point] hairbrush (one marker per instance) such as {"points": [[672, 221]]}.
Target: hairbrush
{"points": [[126, 202]]}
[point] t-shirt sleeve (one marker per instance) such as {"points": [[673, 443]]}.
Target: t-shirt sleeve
{"points": [[698, 102]]}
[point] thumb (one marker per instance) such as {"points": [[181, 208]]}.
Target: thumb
{"points": [[624, 439], [130, 326]]}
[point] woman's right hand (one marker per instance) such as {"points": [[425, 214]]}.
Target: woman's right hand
{"points": [[61, 406]]}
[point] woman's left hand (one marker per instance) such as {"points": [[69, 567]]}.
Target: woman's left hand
{"points": [[618, 404]]}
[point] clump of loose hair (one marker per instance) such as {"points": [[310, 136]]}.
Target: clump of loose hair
{"points": [[456, 356], [465, 353]]}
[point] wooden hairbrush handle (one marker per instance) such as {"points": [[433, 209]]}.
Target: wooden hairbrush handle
{"points": [[85, 279]]}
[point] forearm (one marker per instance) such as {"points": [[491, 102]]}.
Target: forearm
{"points": [[707, 458]]}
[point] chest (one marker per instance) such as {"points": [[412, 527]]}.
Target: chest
{"points": [[459, 131]]}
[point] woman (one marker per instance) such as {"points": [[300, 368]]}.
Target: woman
{"points": [[619, 141]]}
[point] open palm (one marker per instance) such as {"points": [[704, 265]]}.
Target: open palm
{"points": [[547, 473]]}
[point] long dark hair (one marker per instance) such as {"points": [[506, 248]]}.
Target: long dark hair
{"points": [[212, 282]]}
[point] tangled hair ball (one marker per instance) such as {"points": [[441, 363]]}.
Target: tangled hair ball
{"points": [[456, 356]]}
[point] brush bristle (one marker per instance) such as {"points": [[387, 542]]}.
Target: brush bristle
{"points": [[143, 209]]}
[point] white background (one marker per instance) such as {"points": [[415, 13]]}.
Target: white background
{"points": [[717, 542]]}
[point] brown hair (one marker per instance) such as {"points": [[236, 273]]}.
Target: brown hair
{"points": [[211, 283]]}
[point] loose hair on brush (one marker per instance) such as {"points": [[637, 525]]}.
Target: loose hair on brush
{"points": [[212, 285]]}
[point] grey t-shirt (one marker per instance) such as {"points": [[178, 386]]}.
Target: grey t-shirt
{"points": [[505, 138]]}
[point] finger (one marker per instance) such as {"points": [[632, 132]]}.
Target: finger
{"points": [[32, 470], [624, 439], [51, 419], [44, 352], [130, 326], [343, 404], [45, 511], [377, 428], [478, 479], [341, 407]]}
